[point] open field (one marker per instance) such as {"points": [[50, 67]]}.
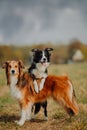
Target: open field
{"points": [[57, 117]]}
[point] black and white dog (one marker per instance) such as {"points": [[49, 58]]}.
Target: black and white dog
{"points": [[38, 69], [41, 60]]}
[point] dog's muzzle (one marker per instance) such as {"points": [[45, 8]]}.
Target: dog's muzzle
{"points": [[44, 60], [12, 71]]}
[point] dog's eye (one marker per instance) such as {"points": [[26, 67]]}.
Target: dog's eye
{"points": [[9, 66], [15, 66]]}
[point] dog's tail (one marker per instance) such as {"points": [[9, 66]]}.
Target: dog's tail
{"points": [[74, 101], [68, 101], [72, 107]]}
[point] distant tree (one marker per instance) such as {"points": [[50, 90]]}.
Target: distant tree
{"points": [[73, 46]]}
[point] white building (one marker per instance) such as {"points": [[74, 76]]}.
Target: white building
{"points": [[78, 56]]}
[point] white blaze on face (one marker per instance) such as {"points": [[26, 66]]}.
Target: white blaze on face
{"points": [[44, 58], [42, 66]]}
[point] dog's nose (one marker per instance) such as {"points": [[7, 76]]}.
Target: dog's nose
{"points": [[13, 71], [44, 59]]}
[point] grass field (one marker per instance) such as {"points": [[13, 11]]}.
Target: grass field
{"points": [[57, 117]]}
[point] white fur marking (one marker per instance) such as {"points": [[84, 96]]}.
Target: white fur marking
{"points": [[36, 86], [28, 111], [39, 73], [42, 84], [15, 92], [25, 114], [41, 68], [43, 56], [45, 118], [22, 119]]}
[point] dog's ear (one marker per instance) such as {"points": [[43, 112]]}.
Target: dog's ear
{"points": [[21, 64], [34, 50], [5, 64], [49, 49]]}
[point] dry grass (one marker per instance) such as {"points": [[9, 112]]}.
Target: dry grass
{"points": [[58, 119]]}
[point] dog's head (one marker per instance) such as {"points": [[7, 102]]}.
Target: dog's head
{"points": [[41, 56], [13, 68]]}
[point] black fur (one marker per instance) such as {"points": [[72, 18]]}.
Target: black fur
{"points": [[37, 55], [39, 105]]}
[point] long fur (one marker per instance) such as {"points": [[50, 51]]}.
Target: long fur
{"points": [[58, 87]]}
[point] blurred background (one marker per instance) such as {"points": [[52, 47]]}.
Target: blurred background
{"points": [[27, 24]]}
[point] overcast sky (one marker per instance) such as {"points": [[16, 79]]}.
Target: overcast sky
{"points": [[33, 21]]}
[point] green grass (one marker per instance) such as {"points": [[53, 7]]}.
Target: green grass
{"points": [[2, 77], [58, 118]]}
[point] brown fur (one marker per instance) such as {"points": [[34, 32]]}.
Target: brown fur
{"points": [[17, 65], [58, 87]]}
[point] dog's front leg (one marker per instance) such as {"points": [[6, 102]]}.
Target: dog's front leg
{"points": [[28, 111], [23, 117], [25, 114], [36, 86], [42, 84]]}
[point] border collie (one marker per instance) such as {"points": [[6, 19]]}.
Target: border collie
{"points": [[38, 69]]}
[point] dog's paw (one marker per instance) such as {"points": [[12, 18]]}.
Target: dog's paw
{"points": [[20, 123], [28, 118], [45, 118], [33, 116]]}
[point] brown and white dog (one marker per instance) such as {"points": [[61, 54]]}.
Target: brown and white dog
{"points": [[22, 88]]}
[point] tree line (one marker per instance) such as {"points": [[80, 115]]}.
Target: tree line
{"points": [[61, 54]]}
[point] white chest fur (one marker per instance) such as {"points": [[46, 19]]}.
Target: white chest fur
{"points": [[39, 74], [15, 92]]}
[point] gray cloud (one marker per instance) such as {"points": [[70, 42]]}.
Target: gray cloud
{"points": [[31, 21]]}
